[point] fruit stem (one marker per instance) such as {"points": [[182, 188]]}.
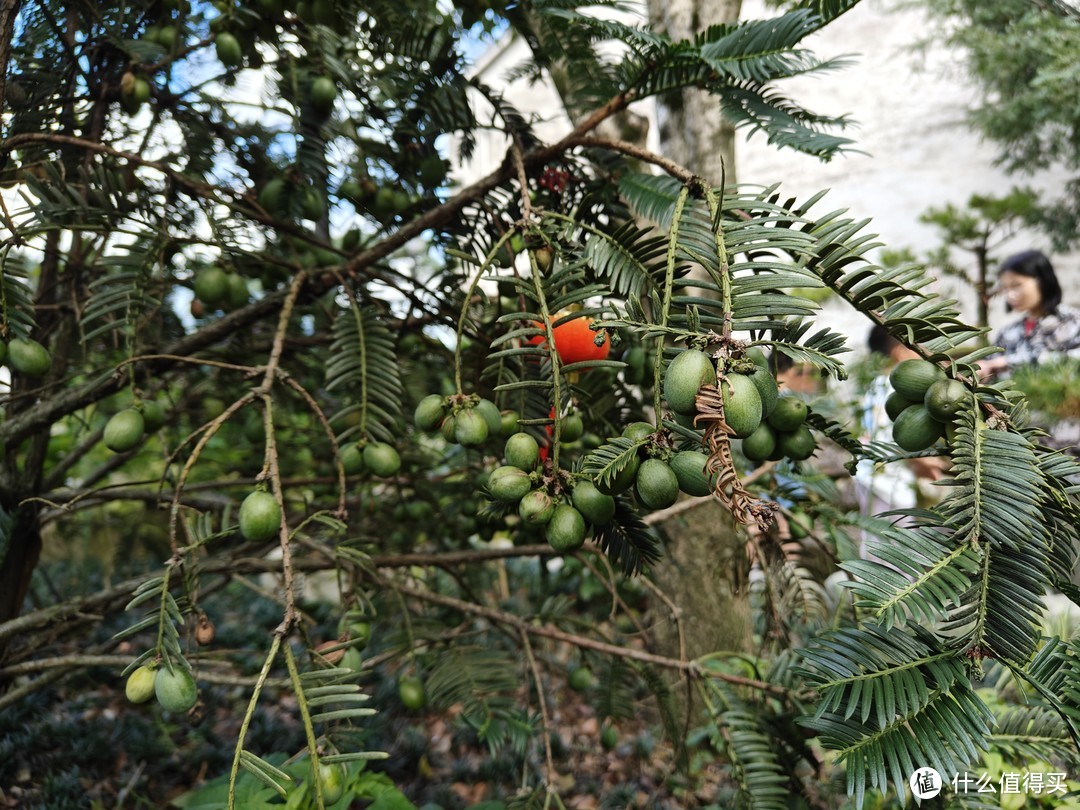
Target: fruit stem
{"points": [[248, 715], [488, 260], [669, 284], [549, 336]]}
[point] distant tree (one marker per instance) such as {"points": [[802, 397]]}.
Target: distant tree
{"points": [[978, 229], [1022, 55]]}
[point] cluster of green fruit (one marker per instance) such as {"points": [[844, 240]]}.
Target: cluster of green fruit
{"points": [[282, 197], [565, 519], [771, 426], [378, 458], [135, 90], [467, 421], [657, 476], [126, 429], [174, 687], [26, 356], [217, 288], [782, 434], [923, 404], [384, 202]]}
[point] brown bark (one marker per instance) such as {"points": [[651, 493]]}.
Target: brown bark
{"points": [[692, 130]]}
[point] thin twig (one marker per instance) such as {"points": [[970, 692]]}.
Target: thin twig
{"points": [[551, 775]]}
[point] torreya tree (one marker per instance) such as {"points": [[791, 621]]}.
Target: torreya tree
{"points": [[252, 323]]}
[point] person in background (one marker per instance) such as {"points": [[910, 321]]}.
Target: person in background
{"points": [[1048, 329], [801, 378], [883, 487]]}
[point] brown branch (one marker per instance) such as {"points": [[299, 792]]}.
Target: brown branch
{"points": [[550, 775], [633, 150], [691, 668]]}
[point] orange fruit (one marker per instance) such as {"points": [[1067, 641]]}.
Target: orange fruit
{"points": [[575, 341]]}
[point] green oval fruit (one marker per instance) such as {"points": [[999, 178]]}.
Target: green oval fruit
{"points": [[260, 516], [767, 388], [28, 357], [140, 685], [153, 415], [448, 428], [657, 484], [124, 430], [411, 692], [433, 172], [176, 690], [623, 480], [212, 407], [352, 459], [689, 469], [381, 459], [274, 195], [522, 451], [915, 429], [167, 37], [798, 444], [913, 377], [800, 524], [566, 529], [756, 354], [609, 737], [636, 431], [352, 659], [686, 420], [312, 206], [760, 444], [486, 408], [331, 782], [536, 508], [594, 505], [686, 374], [896, 404], [238, 293], [581, 678], [789, 413], [323, 94], [228, 49], [572, 428], [508, 422], [946, 398], [212, 286], [634, 357], [508, 484], [742, 404], [470, 428], [429, 412]]}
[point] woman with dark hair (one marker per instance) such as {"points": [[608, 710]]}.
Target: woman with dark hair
{"points": [[1048, 330]]}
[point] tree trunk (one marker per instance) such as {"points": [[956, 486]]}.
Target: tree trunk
{"points": [[704, 562], [693, 133]]}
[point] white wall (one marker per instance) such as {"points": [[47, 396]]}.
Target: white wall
{"points": [[910, 106], [915, 151]]}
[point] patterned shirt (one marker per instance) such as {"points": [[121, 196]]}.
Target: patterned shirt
{"points": [[1042, 340]]}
